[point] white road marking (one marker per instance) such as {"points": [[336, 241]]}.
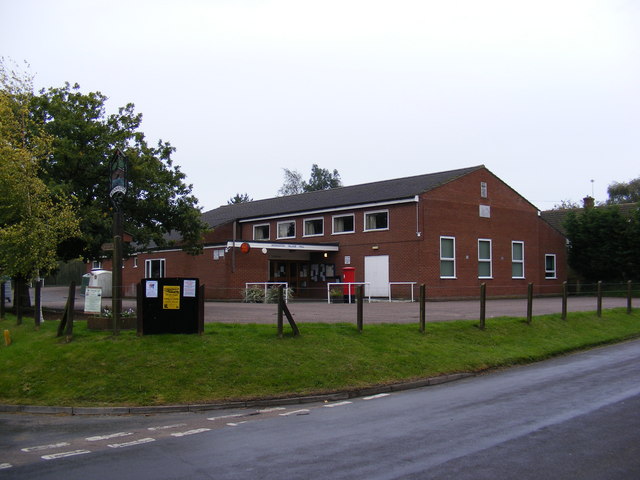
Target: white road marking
{"points": [[294, 412], [39, 448], [4, 466], [166, 427], [190, 432], [267, 410], [108, 437], [339, 404], [131, 444], [55, 456], [373, 397], [225, 416], [236, 424]]}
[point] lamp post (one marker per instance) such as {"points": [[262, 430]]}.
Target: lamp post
{"points": [[117, 191]]}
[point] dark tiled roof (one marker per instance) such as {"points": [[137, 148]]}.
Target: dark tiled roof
{"points": [[386, 190]]}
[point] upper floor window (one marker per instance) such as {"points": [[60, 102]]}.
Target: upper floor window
{"points": [[313, 227], [96, 265], [376, 220], [154, 268], [484, 258], [343, 223], [447, 257], [550, 265], [287, 229], [517, 259], [483, 189], [261, 232]]}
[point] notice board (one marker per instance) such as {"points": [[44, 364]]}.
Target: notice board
{"points": [[170, 305]]}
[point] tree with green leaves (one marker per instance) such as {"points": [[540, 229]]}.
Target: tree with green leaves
{"points": [[320, 179], [624, 192], [239, 198], [603, 244], [33, 219], [159, 205]]}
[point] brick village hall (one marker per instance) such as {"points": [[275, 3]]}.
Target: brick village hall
{"points": [[449, 230]]}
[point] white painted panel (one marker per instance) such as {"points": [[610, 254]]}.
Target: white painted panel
{"points": [[376, 273]]}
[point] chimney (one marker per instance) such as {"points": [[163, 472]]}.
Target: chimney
{"points": [[588, 202]]}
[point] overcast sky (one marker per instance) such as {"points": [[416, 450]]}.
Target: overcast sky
{"points": [[544, 93]]}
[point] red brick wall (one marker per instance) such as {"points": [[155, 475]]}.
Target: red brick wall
{"points": [[412, 243]]}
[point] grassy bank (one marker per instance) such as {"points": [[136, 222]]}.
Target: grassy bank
{"points": [[248, 361]]}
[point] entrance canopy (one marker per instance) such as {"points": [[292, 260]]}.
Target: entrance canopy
{"points": [[305, 247]]}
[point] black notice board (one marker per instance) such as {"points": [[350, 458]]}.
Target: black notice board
{"points": [[170, 305]]}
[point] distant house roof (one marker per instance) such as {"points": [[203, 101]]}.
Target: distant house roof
{"points": [[556, 218], [387, 190]]}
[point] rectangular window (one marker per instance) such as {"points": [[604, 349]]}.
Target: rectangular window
{"points": [[484, 259], [485, 211], [517, 259], [135, 262], [287, 229], [313, 227], [376, 220], [447, 257], [218, 253], [343, 223], [261, 232], [154, 268], [96, 265], [550, 265], [483, 189]]}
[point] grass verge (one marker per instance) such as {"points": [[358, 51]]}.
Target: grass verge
{"points": [[240, 362]]}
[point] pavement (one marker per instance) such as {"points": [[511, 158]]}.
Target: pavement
{"points": [[374, 312]]}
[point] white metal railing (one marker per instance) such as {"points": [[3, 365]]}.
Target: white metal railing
{"points": [[266, 287], [402, 283], [342, 284]]}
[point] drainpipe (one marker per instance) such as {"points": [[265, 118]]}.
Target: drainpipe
{"points": [[233, 248]]}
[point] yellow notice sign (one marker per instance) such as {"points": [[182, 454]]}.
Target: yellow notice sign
{"points": [[171, 297]]}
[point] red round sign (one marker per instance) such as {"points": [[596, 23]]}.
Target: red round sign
{"points": [[245, 247]]}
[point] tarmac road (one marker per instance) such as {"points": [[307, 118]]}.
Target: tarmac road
{"points": [[375, 312]]}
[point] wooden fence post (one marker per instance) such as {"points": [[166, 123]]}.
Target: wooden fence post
{"points": [[629, 291], [529, 302], [564, 300], [599, 298], [280, 310], [423, 320], [483, 304]]}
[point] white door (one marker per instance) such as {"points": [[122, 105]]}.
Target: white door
{"points": [[376, 274]]}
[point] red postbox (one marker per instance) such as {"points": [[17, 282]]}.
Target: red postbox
{"points": [[349, 276]]}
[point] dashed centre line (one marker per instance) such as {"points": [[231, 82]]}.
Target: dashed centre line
{"points": [[237, 423], [72, 453], [4, 466], [39, 448], [166, 427], [373, 397], [338, 404], [294, 412], [268, 410], [225, 416], [108, 437], [190, 432], [131, 444]]}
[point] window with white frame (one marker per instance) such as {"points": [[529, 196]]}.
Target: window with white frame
{"points": [[96, 265], [287, 229], [261, 232], [483, 189], [550, 265], [154, 268], [343, 223], [517, 259], [135, 262], [313, 227], [447, 257], [484, 258], [218, 253], [376, 220]]}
